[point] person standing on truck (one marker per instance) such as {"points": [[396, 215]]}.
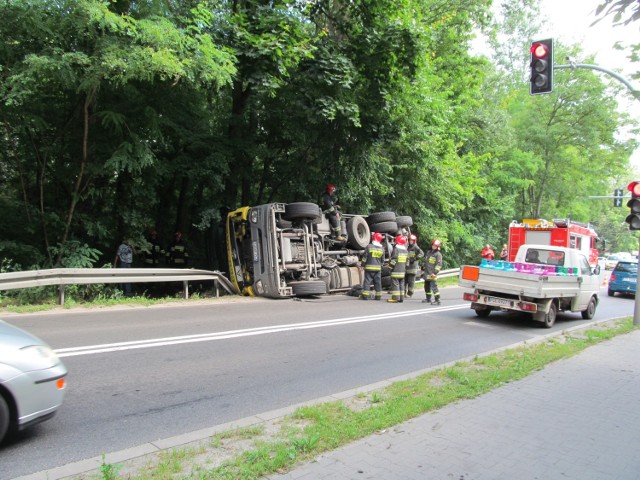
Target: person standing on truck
{"points": [[332, 210], [432, 264], [372, 264], [398, 265], [488, 253], [413, 262]]}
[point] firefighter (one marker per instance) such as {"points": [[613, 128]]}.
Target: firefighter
{"points": [[398, 264], [432, 264], [372, 264], [177, 254], [154, 251], [413, 262], [332, 210]]}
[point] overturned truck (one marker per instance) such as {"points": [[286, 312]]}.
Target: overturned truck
{"points": [[280, 250]]}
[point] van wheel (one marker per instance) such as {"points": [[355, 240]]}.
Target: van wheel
{"points": [[302, 211], [482, 312], [358, 232], [550, 317], [591, 309], [4, 418]]}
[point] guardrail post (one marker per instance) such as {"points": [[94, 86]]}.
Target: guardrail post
{"points": [[185, 289], [60, 295]]}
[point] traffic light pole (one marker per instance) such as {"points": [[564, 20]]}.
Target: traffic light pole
{"points": [[636, 307], [634, 91]]}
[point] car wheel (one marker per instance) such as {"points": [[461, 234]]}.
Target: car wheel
{"points": [[611, 293], [358, 232], [550, 317], [4, 418], [591, 309], [302, 211], [380, 217]]}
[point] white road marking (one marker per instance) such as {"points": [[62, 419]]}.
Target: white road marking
{"points": [[208, 337]]}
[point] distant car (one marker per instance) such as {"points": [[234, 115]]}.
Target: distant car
{"points": [[32, 380], [611, 261], [624, 278]]}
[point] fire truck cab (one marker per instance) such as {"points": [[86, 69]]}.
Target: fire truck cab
{"points": [[556, 233]]}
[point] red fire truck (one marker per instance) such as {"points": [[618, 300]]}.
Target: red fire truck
{"points": [[557, 233]]}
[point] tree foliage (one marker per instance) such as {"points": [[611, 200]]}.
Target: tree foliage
{"points": [[119, 116]]}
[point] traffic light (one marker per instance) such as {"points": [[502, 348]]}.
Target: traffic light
{"points": [[634, 206], [617, 197], [541, 67]]}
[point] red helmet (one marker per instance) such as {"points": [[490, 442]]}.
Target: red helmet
{"points": [[413, 238], [331, 188], [401, 240], [436, 244], [376, 237]]}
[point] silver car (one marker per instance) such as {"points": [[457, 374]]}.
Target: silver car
{"points": [[32, 380]]}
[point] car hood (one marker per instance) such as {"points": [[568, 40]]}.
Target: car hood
{"points": [[23, 350]]}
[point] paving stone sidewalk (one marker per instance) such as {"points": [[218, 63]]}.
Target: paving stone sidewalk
{"points": [[579, 418]]}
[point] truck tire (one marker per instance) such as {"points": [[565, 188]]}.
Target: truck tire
{"points": [[304, 288], [358, 232], [404, 221], [380, 217], [591, 309], [482, 312], [384, 227], [302, 211], [550, 317]]}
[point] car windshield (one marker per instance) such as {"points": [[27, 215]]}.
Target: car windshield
{"points": [[628, 267]]}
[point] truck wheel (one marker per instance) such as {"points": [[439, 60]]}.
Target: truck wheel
{"points": [[380, 217], [384, 227], [303, 288], [358, 232], [404, 221], [483, 312], [550, 317], [302, 211], [591, 309]]}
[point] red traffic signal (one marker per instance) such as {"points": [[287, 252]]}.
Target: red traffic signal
{"points": [[539, 50], [541, 67], [634, 188], [633, 219]]}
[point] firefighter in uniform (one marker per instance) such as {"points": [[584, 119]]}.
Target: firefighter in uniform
{"points": [[413, 262], [398, 264], [432, 264], [372, 264], [331, 208], [154, 251], [177, 254]]}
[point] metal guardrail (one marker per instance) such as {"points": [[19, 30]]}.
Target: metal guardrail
{"points": [[83, 276], [77, 276]]}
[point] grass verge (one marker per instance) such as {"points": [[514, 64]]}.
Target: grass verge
{"points": [[254, 452]]}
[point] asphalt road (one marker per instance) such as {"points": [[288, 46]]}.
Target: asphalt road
{"points": [[145, 373]]}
